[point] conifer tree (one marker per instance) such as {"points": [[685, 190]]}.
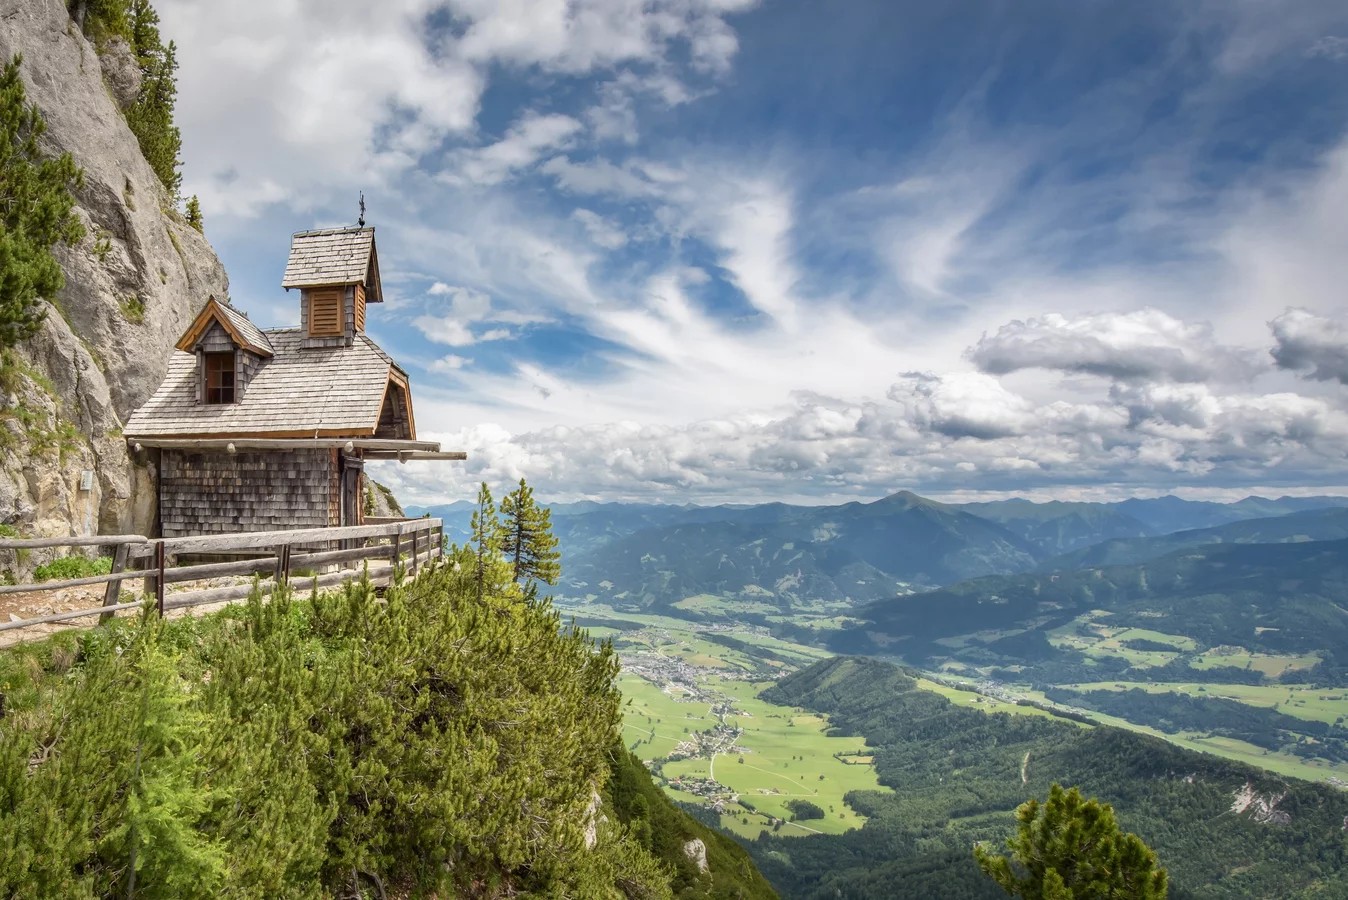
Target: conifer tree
{"points": [[1071, 848], [194, 217], [37, 212], [486, 538], [527, 539], [151, 115]]}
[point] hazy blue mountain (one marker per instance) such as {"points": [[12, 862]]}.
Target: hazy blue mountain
{"points": [[1056, 527], [790, 555], [1164, 515], [1311, 525], [1270, 598]]}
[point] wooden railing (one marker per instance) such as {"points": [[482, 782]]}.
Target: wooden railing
{"points": [[275, 555]]}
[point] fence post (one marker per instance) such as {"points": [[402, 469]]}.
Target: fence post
{"points": [[396, 554], [159, 578], [282, 575], [114, 588], [414, 550]]}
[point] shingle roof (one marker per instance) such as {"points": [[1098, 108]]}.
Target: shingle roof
{"points": [[240, 329], [249, 332], [336, 390], [330, 256]]}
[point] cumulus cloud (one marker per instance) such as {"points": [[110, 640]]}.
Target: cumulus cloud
{"points": [[1144, 345], [948, 432], [961, 405], [1311, 344]]}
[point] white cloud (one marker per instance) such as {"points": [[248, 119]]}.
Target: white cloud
{"points": [[1312, 344], [447, 364], [602, 231], [1146, 344], [524, 143]]}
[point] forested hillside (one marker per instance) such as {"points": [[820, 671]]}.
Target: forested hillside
{"points": [[1270, 598], [1221, 828]]}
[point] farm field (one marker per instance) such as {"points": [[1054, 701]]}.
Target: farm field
{"points": [[983, 702], [1315, 704], [781, 755], [1230, 748]]}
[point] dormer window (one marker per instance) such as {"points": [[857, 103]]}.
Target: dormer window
{"points": [[219, 377]]}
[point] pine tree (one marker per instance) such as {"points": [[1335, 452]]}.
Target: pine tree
{"points": [[1071, 848], [194, 213], [37, 212], [527, 539], [486, 530], [150, 117]]}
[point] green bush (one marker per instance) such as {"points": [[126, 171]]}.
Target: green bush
{"points": [[73, 567]]}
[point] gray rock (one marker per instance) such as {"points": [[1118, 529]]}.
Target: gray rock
{"points": [[132, 286], [120, 72], [697, 852]]}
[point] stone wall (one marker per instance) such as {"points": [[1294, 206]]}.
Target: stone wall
{"points": [[213, 492]]}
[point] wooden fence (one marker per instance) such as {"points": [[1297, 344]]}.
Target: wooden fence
{"points": [[337, 554]]}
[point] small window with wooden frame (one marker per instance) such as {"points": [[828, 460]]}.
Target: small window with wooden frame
{"points": [[325, 312], [218, 377]]}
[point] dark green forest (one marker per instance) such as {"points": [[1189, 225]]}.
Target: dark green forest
{"points": [[958, 775]]}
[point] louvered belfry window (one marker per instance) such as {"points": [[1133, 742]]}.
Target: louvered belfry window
{"points": [[325, 312], [219, 377]]}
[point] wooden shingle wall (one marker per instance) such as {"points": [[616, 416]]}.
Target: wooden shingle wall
{"points": [[213, 492]]}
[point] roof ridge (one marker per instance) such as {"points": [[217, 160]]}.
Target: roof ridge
{"points": [[344, 229]]}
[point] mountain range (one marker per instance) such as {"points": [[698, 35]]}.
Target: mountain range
{"points": [[651, 556]]}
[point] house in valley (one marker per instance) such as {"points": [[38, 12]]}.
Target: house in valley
{"points": [[259, 429]]}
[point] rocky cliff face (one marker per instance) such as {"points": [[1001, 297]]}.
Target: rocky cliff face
{"points": [[132, 286]]}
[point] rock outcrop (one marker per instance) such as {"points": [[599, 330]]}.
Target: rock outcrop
{"points": [[132, 286], [696, 851]]}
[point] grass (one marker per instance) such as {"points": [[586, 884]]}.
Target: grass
{"points": [[73, 567], [1270, 665], [1229, 748], [787, 755], [1314, 704], [984, 703]]}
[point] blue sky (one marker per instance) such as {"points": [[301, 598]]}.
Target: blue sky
{"points": [[705, 250]]}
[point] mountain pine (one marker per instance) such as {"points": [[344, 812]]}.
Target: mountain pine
{"points": [[527, 540], [37, 213], [1071, 848]]}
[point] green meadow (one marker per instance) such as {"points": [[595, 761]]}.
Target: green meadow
{"points": [[786, 755], [1315, 704]]}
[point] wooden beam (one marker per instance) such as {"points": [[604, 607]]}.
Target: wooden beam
{"points": [[110, 579], [96, 540], [244, 442], [66, 616], [257, 540], [416, 455]]}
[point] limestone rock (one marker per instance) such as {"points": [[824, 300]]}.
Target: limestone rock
{"points": [[696, 851], [120, 71], [380, 502], [132, 286]]}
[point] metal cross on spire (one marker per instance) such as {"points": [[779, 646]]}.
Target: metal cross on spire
{"points": [[361, 221]]}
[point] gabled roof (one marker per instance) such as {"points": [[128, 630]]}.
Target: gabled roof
{"points": [[244, 332], [298, 392], [334, 256]]}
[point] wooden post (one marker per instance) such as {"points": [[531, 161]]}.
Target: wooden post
{"points": [[396, 554], [414, 551], [282, 575], [114, 587], [159, 555]]}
